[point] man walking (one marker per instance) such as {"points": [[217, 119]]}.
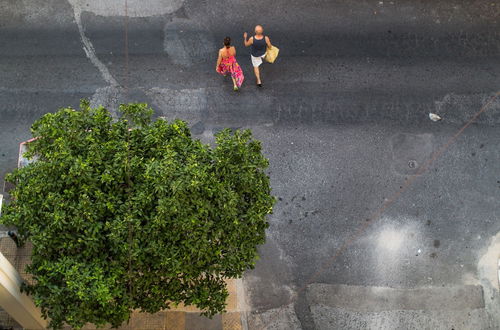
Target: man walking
{"points": [[259, 44]]}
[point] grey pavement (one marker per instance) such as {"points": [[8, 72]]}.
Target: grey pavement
{"points": [[343, 117]]}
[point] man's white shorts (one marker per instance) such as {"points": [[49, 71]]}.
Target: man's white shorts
{"points": [[257, 61]]}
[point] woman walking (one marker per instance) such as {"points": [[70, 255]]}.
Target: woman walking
{"points": [[260, 43], [226, 64]]}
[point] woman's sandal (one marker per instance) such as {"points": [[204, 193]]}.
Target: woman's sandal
{"points": [[235, 88]]}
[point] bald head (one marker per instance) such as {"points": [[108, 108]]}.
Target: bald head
{"points": [[259, 30]]}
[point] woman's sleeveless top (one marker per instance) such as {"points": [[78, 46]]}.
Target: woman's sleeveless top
{"points": [[259, 47]]}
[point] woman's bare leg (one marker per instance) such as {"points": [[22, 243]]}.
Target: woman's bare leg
{"points": [[234, 82], [257, 74]]}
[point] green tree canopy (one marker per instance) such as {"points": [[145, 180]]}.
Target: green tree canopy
{"points": [[134, 213]]}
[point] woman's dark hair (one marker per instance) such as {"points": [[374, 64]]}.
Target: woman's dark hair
{"points": [[227, 42]]}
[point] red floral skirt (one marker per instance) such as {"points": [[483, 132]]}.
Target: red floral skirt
{"points": [[230, 66]]}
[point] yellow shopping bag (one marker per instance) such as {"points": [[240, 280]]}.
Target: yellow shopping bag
{"points": [[271, 54]]}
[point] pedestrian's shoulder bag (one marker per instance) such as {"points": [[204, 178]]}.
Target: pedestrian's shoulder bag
{"points": [[272, 54]]}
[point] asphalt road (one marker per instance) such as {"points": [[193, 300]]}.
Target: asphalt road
{"points": [[343, 117]]}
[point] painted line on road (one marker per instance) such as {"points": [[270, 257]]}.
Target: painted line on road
{"points": [[90, 51]]}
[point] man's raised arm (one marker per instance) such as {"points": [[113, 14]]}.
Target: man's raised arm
{"points": [[248, 42]]}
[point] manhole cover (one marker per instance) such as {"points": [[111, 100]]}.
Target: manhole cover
{"points": [[412, 164], [409, 151]]}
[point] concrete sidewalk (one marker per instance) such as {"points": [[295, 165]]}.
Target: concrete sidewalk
{"points": [[188, 317]]}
